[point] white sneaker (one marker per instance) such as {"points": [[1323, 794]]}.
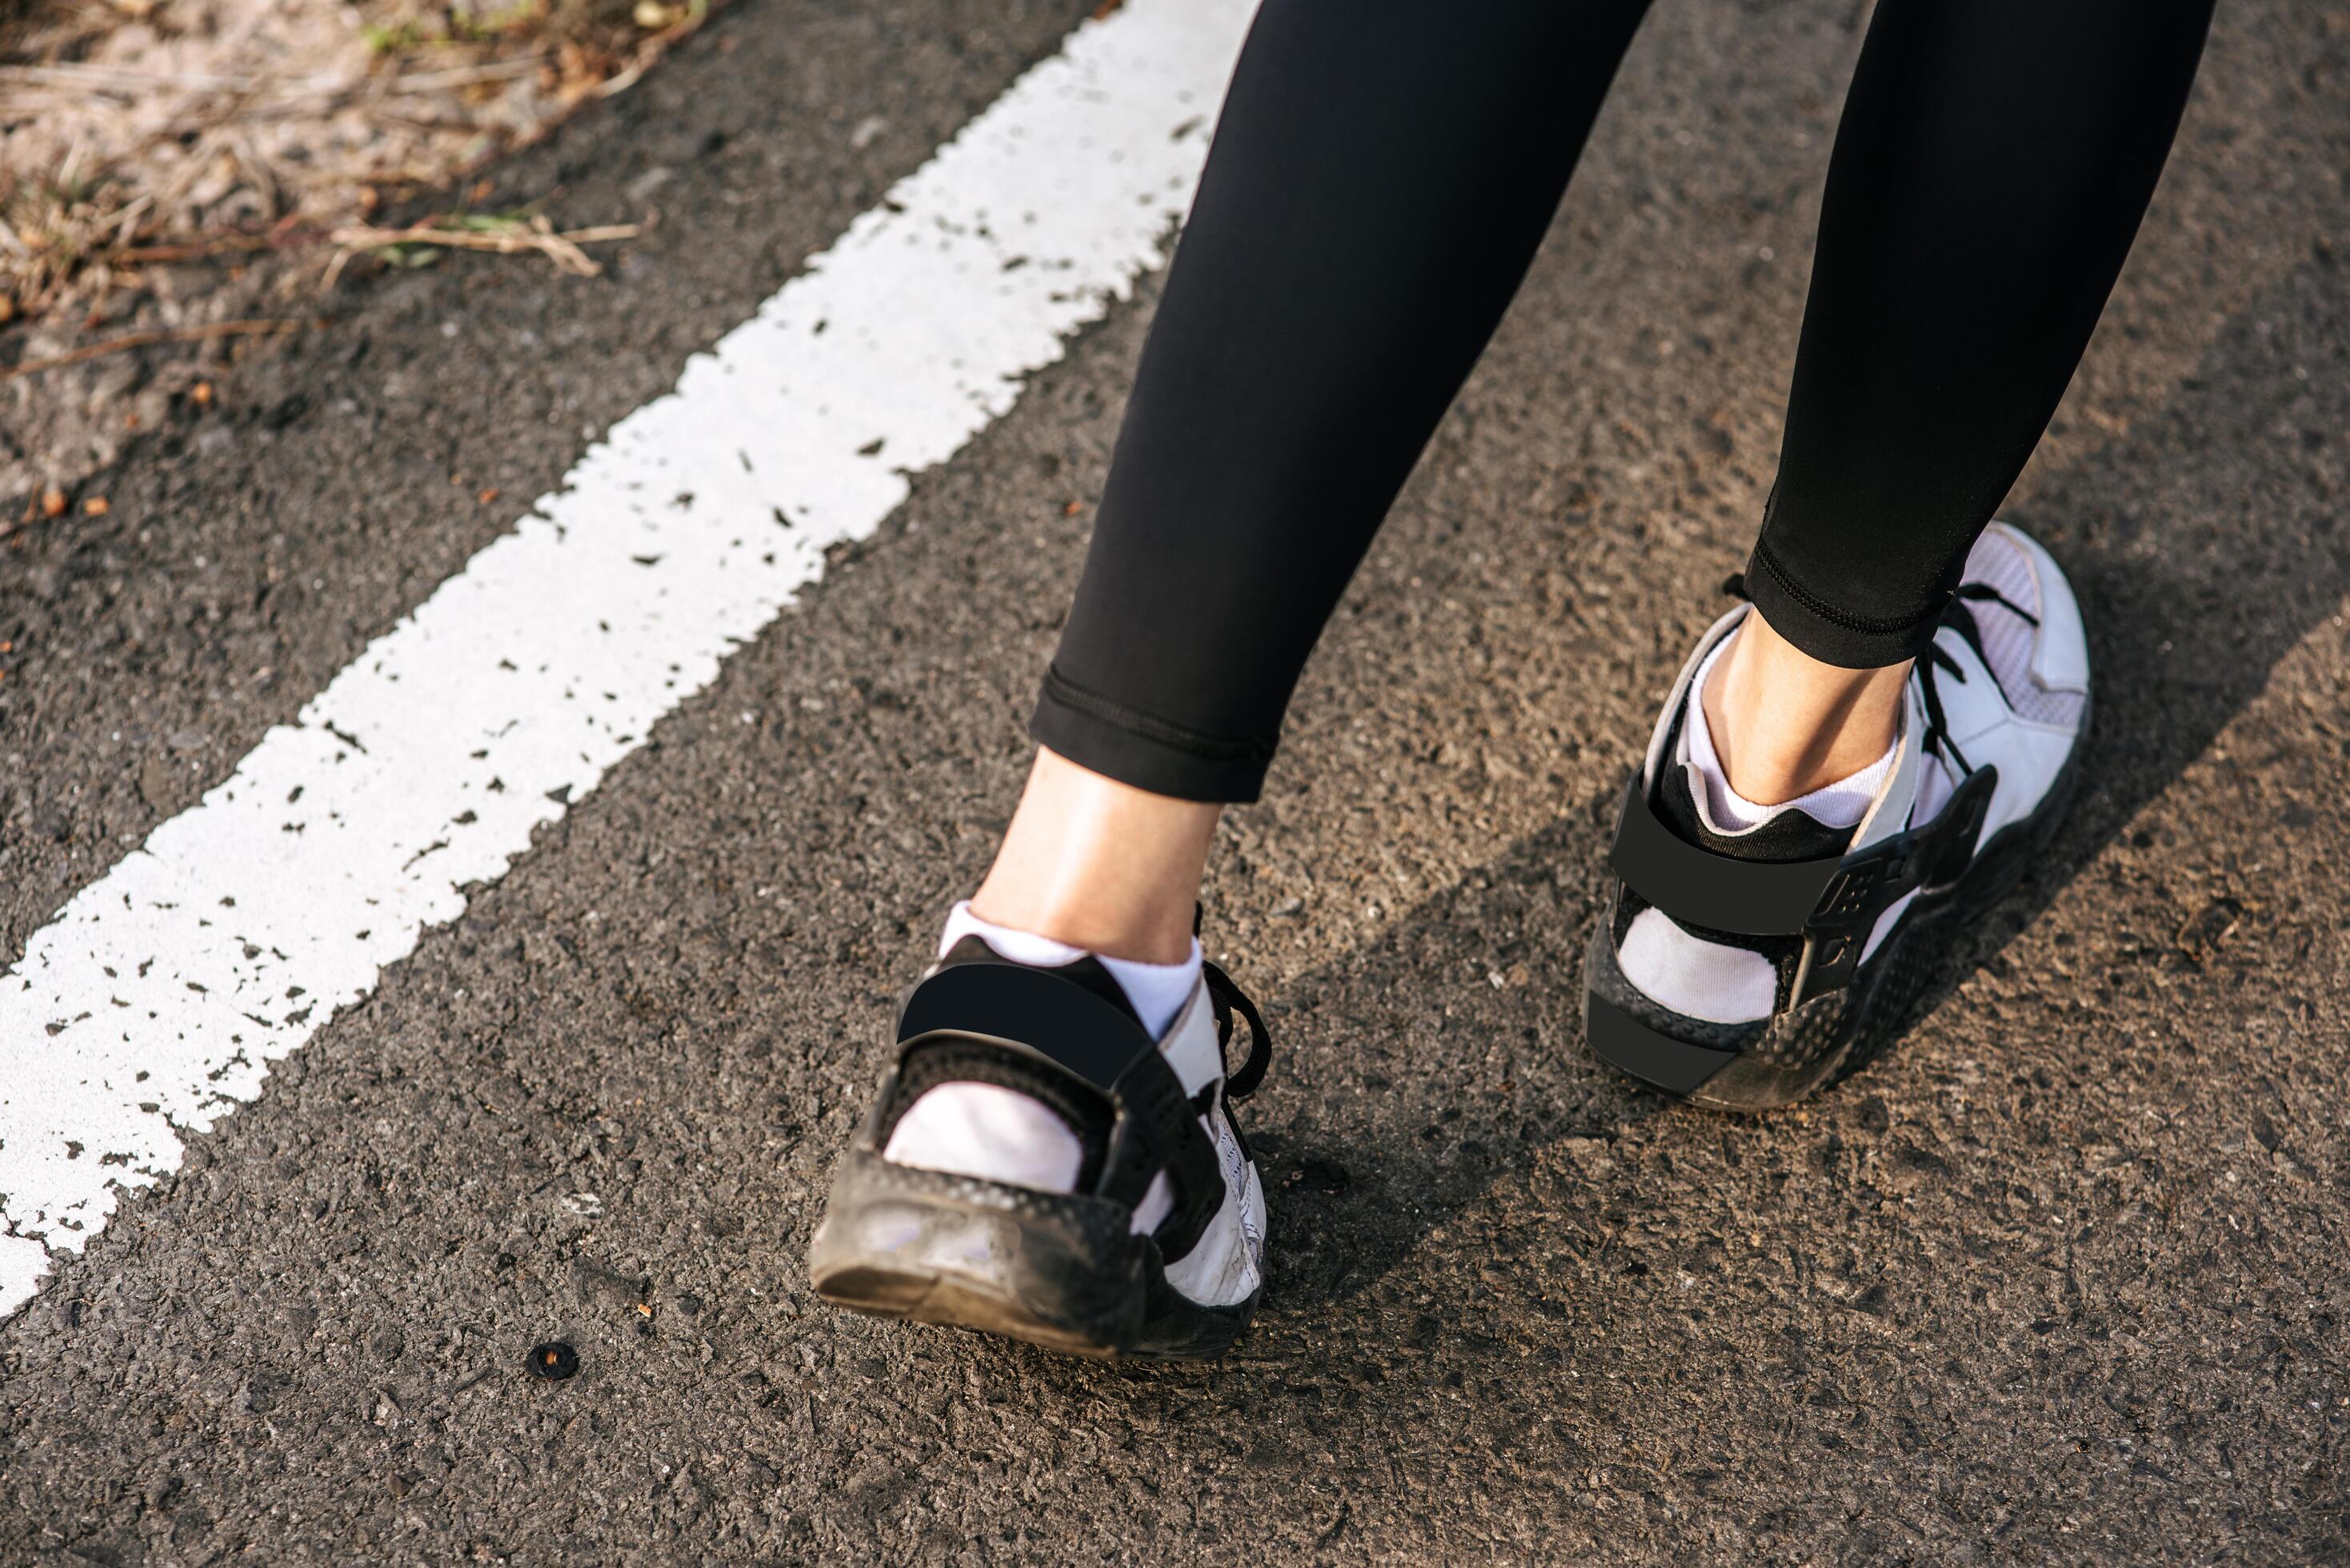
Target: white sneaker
{"points": [[1036, 1165], [1746, 967]]}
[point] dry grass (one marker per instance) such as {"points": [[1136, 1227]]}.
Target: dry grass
{"points": [[134, 132]]}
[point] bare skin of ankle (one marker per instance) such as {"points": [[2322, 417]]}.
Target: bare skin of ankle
{"points": [[1100, 865], [1786, 724], [1116, 870]]}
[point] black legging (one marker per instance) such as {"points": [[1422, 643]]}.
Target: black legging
{"points": [[1380, 178]]}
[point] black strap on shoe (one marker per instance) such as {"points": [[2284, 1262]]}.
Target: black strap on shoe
{"points": [[1832, 903], [1057, 1024]]}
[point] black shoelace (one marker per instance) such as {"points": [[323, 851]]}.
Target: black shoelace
{"points": [[1960, 618], [1227, 999]]}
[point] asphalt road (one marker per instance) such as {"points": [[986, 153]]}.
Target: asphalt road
{"points": [[2060, 1280]]}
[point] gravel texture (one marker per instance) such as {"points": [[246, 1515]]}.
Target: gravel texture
{"points": [[2058, 1280]]}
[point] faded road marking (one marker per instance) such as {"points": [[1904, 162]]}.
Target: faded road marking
{"points": [[158, 996]]}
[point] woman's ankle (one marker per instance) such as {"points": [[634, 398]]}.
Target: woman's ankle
{"points": [[1784, 723], [1100, 865]]}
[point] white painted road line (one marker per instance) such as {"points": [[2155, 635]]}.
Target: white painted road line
{"points": [[158, 996]]}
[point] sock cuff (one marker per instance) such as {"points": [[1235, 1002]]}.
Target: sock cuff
{"points": [[1157, 992]]}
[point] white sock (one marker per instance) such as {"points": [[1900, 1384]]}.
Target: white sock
{"points": [[1838, 804], [997, 1134], [1157, 992]]}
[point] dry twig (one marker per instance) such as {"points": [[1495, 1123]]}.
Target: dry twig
{"points": [[149, 340], [278, 238], [538, 234]]}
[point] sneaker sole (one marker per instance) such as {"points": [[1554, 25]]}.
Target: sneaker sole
{"points": [[1790, 1058], [1059, 1271]]}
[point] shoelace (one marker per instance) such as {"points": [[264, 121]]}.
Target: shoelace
{"points": [[1959, 618], [1227, 999], [1937, 737], [1225, 996]]}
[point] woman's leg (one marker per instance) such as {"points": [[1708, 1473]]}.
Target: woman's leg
{"points": [[1381, 175], [1992, 166], [1994, 160]]}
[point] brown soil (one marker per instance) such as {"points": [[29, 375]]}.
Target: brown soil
{"points": [[170, 167]]}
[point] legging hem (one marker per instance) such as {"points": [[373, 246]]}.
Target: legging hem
{"points": [[1144, 750], [1829, 634]]}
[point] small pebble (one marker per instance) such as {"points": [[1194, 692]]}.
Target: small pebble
{"points": [[555, 1361]]}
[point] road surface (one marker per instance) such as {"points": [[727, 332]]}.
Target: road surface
{"points": [[2060, 1280]]}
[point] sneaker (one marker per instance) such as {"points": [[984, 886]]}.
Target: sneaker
{"points": [[1745, 968], [1133, 1221]]}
